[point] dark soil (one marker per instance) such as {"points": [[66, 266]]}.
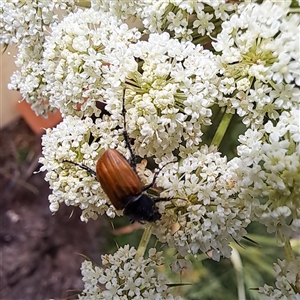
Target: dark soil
{"points": [[40, 252]]}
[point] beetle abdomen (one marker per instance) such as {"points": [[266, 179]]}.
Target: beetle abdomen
{"points": [[117, 178]]}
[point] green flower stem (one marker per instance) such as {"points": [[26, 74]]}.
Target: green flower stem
{"points": [[144, 242], [238, 266], [221, 130], [288, 251], [289, 254], [201, 40]]}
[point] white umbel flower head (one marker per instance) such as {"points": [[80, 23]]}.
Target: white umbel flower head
{"points": [[287, 285], [26, 23], [259, 59], [124, 277], [212, 215], [76, 57], [270, 168], [168, 98], [79, 141], [184, 20]]}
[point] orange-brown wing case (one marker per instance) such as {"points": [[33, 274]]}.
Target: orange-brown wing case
{"points": [[117, 178]]}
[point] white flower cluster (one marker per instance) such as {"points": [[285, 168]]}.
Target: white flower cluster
{"points": [[26, 23], [123, 277], [182, 19], [175, 84], [270, 168], [77, 58], [28, 79], [287, 285], [260, 61], [173, 91], [213, 213], [80, 141]]}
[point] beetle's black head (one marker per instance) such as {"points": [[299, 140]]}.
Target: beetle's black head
{"points": [[142, 208]]}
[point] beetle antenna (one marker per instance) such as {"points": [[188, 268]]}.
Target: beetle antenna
{"points": [[147, 187], [84, 167], [162, 199], [125, 134]]}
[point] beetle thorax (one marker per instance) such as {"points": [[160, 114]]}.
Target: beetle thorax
{"points": [[142, 208]]}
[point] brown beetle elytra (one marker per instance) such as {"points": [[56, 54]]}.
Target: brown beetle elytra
{"points": [[123, 187]]}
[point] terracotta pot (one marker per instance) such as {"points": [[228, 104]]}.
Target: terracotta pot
{"points": [[38, 124]]}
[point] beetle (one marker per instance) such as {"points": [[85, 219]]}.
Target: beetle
{"points": [[120, 182], [123, 187]]}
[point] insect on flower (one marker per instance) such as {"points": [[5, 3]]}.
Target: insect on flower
{"points": [[120, 182]]}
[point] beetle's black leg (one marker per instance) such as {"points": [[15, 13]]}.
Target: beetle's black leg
{"points": [[126, 137], [147, 187], [82, 167]]}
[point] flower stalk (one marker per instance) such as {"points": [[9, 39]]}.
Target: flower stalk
{"points": [[289, 254], [144, 242], [221, 130]]}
